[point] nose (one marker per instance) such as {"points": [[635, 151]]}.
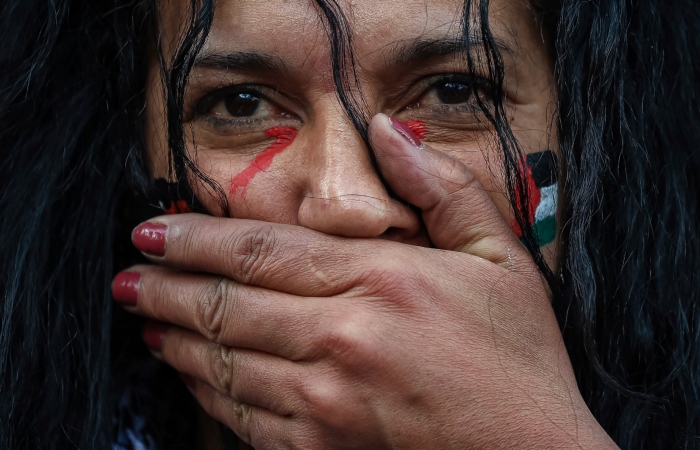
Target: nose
{"points": [[345, 195]]}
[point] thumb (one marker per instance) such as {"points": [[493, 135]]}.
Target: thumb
{"points": [[458, 214]]}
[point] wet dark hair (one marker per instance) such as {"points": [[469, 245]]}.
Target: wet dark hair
{"points": [[72, 88], [629, 116]]}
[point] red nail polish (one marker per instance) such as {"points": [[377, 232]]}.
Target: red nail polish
{"points": [[405, 131], [125, 288], [188, 380], [150, 238], [153, 334]]}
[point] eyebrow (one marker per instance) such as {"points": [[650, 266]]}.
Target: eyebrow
{"points": [[244, 61], [414, 52], [426, 49]]}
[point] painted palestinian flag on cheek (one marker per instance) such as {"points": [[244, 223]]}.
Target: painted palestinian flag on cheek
{"points": [[541, 180]]}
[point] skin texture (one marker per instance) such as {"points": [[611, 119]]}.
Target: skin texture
{"points": [[299, 327], [326, 180]]}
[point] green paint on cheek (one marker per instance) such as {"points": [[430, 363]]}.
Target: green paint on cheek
{"points": [[545, 230]]}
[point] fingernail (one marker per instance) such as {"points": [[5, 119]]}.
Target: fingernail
{"points": [[125, 288], [150, 238], [405, 131], [188, 380], [153, 334]]}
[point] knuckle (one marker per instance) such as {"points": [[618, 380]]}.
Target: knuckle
{"points": [[189, 240], [222, 368], [461, 178], [242, 418], [327, 403], [155, 296], [451, 169], [348, 339], [212, 312], [251, 251]]}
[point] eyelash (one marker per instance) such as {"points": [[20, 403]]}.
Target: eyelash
{"points": [[241, 124], [476, 84]]}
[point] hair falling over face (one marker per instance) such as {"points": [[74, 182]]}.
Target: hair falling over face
{"points": [[627, 297]]}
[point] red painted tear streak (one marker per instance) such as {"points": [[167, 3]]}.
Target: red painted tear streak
{"points": [[285, 136], [417, 126]]}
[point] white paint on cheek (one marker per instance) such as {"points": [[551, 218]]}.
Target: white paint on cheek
{"points": [[548, 202]]}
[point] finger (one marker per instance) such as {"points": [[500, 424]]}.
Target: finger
{"points": [[246, 376], [458, 213], [223, 310], [254, 425], [281, 257]]}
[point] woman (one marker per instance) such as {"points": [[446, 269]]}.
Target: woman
{"points": [[321, 334]]}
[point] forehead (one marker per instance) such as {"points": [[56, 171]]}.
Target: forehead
{"points": [[296, 29], [286, 24]]}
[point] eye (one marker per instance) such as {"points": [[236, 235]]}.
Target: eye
{"points": [[456, 91], [238, 104], [243, 104], [451, 93]]}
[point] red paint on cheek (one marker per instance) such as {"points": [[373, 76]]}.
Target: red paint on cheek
{"points": [[533, 201], [417, 126], [284, 138]]}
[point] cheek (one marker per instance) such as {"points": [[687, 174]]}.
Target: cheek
{"points": [[154, 133], [259, 184], [284, 137], [538, 168]]}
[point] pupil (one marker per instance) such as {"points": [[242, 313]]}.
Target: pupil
{"points": [[242, 105], [453, 93]]}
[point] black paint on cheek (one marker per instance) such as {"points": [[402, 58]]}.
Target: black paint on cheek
{"points": [[544, 167]]}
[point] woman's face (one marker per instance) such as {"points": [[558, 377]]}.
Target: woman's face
{"points": [[262, 107]]}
